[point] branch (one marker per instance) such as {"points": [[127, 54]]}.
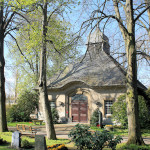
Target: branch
{"points": [[15, 28], [141, 13], [9, 20], [146, 56], [51, 42], [31, 66], [115, 18], [54, 12], [115, 3]]}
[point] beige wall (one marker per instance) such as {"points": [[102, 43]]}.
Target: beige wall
{"points": [[99, 94]]}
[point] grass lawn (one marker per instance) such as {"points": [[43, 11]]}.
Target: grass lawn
{"points": [[13, 124], [8, 136], [123, 132]]}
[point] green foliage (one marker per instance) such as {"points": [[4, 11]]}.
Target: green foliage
{"points": [[148, 92], [55, 115], [81, 136], [84, 139], [26, 144], [123, 146], [144, 113], [120, 112], [26, 104], [2, 141], [94, 118], [29, 37]]}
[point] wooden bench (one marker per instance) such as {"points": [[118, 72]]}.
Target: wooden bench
{"points": [[25, 129], [37, 121]]}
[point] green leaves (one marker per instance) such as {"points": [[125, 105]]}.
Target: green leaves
{"points": [[27, 103], [119, 109], [84, 139]]}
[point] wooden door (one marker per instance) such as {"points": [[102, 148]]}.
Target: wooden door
{"points": [[79, 111]]}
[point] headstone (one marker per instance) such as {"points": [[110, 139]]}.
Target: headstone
{"points": [[40, 143], [16, 140]]}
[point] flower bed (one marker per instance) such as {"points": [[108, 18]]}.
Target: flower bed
{"points": [[57, 147]]}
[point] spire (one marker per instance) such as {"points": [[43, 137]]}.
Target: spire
{"points": [[97, 41]]}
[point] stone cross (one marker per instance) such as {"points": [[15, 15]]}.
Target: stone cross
{"points": [[16, 140], [40, 143]]}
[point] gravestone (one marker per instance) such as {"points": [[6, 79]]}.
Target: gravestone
{"points": [[40, 143], [16, 140]]}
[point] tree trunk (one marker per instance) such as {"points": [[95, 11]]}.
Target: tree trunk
{"points": [[3, 122], [134, 134], [43, 86]]}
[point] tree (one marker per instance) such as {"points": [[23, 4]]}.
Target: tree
{"points": [[42, 79], [126, 14], [57, 7], [8, 10], [25, 50], [45, 6], [4, 30]]}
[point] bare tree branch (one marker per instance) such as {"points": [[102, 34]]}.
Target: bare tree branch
{"points": [[141, 13]]}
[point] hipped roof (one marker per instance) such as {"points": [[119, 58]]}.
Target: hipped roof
{"points": [[101, 71]]}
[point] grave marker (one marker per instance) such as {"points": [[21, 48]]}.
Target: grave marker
{"points": [[16, 140], [40, 143]]}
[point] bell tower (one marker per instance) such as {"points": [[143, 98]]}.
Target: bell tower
{"points": [[96, 42]]}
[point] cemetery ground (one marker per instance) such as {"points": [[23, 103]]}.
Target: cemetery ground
{"points": [[62, 135]]}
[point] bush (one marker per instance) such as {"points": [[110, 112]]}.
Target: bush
{"points": [[26, 104], [84, 139], [120, 112], [26, 144], [81, 136], [2, 141], [94, 118], [55, 115]]}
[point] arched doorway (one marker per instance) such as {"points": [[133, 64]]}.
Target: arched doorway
{"points": [[79, 108]]}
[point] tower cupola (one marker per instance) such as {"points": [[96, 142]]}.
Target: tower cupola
{"points": [[97, 41]]}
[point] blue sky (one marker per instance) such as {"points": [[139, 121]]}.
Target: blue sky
{"points": [[78, 15]]}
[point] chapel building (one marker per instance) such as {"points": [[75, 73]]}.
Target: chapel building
{"points": [[96, 81]]}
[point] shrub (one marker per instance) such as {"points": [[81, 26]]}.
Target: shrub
{"points": [[81, 136], [55, 115], [26, 104], [26, 144], [84, 139], [120, 112], [2, 141], [94, 118]]}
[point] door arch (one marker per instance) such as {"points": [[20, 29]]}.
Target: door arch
{"points": [[79, 108]]}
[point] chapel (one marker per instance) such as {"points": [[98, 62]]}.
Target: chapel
{"points": [[95, 81]]}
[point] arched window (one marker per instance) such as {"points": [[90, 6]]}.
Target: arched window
{"points": [[79, 97]]}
